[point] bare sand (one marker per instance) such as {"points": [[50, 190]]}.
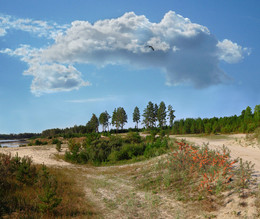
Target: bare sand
{"points": [[39, 154]]}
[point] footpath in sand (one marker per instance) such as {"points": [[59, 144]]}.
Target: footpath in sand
{"points": [[112, 190]]}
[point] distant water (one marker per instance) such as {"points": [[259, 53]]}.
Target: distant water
{"points": [[12, 143]]}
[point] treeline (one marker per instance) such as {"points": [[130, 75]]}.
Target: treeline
{"points": [[18, 136], [153, 116], [161, 117], [247, 122]]}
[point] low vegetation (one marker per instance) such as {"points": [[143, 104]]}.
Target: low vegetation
{"points": [[97, 150], [198, 174], [31, 191]]}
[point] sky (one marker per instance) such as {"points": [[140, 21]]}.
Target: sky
{"points": [[61, 61]]}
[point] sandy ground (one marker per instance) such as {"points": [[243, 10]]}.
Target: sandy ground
{"points": [[112, 190], [39, 154]]}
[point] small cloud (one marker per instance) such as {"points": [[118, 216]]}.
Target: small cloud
{"points": [[231, 52], [102, 99], [54, 78], [2, 32], [41, 28]]}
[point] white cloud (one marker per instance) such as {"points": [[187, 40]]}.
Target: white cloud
{"points": [[54, 78], [47, 77], [231, 52], [101, 99], [187, 52], [41, 28]]}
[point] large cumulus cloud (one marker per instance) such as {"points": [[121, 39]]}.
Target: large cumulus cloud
{"points": [[187, 52]]}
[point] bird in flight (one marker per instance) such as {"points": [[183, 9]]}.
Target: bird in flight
{"points": [[150, 47]]}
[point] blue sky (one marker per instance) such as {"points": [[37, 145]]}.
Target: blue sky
{"points": [[61, 61]]}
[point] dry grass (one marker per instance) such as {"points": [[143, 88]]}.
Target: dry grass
{"points": [[72, 195]]}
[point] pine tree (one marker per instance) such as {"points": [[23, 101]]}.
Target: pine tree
{"points": [[115, 121], [93, 123], [171, 115], [136, 116], [122, 116], [161, 114], [104, 120], [119, 118], [149, 116]]}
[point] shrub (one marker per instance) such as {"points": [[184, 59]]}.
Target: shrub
{"points": [[133, 138], [73, 153], [58, 146], [156, 148], [257, 134], [48, 198], [56, 141], [115, 148], [38, 142], [21, 182], [197, 172]]}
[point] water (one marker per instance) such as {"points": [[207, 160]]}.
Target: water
{"points": [[12, 143]]}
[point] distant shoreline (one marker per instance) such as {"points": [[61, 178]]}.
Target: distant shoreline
{"points": [[13, 143]]}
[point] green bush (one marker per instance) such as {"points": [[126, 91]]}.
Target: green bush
{"points": [[98, 150], [48, 197], [156, 148], [21, 183], [55, 141], [133, 138], [58, 146], [38, 142]]}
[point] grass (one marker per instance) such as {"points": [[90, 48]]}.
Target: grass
{"points": [[72, 195]]}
